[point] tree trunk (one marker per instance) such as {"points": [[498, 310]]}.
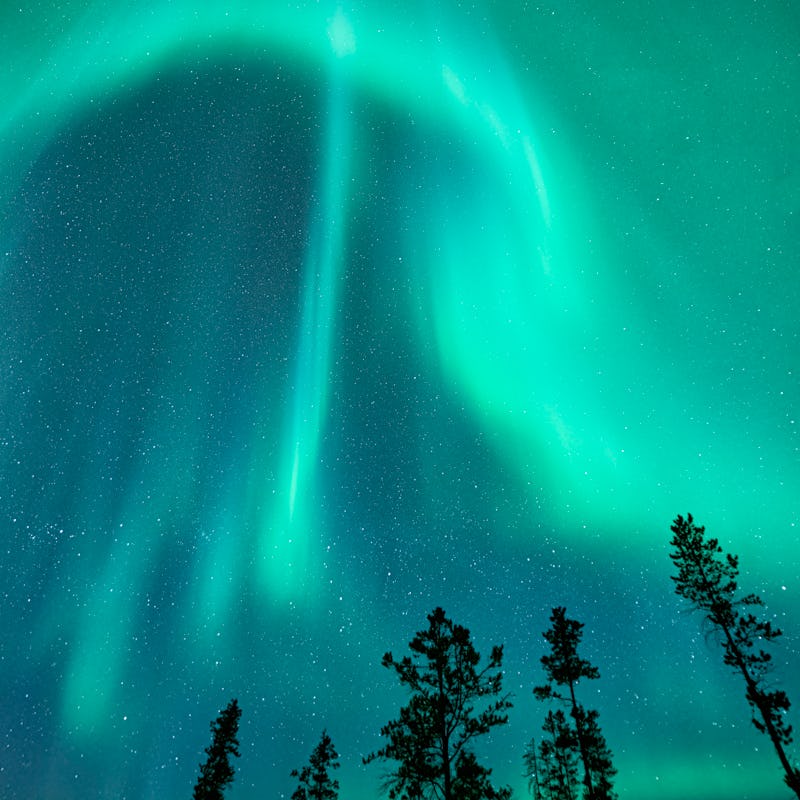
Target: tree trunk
{"points": [[443, 736], [792, 775], [587, 775]]}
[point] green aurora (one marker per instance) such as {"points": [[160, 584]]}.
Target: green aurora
{"points": [[321, 315]]}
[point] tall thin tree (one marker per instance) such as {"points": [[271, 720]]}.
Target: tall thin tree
{"points": [[217, 772], [600, 757], [557, 762], [315, 781], [431, 741], [531, 773], [708, 579], [565, 668]]}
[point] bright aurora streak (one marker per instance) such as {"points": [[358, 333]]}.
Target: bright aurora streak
{"points": [[320, 315]]}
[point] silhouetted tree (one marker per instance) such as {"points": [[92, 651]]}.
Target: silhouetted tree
{"points": [[556, 767], [531, 764], [315, 781], [709, 582], [217, 771], [599, 756], [564, 668], [431, 739]]}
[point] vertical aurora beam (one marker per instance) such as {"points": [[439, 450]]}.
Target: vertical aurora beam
{"points": [[286, 541]]}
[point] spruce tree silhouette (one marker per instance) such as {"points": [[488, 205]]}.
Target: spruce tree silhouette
{"points": [[432, 739], [563, 667], [709, 582], [315, 781], [553, 773], [532, 770], [217, 771]]}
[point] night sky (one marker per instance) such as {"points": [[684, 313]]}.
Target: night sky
{"points": [[316, 316]]}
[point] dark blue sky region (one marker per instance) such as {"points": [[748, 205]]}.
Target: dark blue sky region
{"points": [[320, 316]]}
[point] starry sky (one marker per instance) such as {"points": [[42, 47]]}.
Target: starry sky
{"points": [[319, 315]]}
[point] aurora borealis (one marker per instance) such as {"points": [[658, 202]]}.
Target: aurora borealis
{"points": [[320, 315]]}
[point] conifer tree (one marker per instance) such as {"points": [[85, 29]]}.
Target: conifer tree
{"points": [[599, 756], [709, 581], [217, 772], [431, 741], [315, 781], [553, 774], [564, 668], [532, 769]]}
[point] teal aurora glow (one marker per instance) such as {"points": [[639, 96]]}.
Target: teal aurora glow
{"points": [[319, 315]]}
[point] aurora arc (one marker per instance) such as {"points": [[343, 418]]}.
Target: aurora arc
{"points": [[517, 302]]}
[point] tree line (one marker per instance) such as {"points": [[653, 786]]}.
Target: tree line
{"points": [[455, 699]]}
